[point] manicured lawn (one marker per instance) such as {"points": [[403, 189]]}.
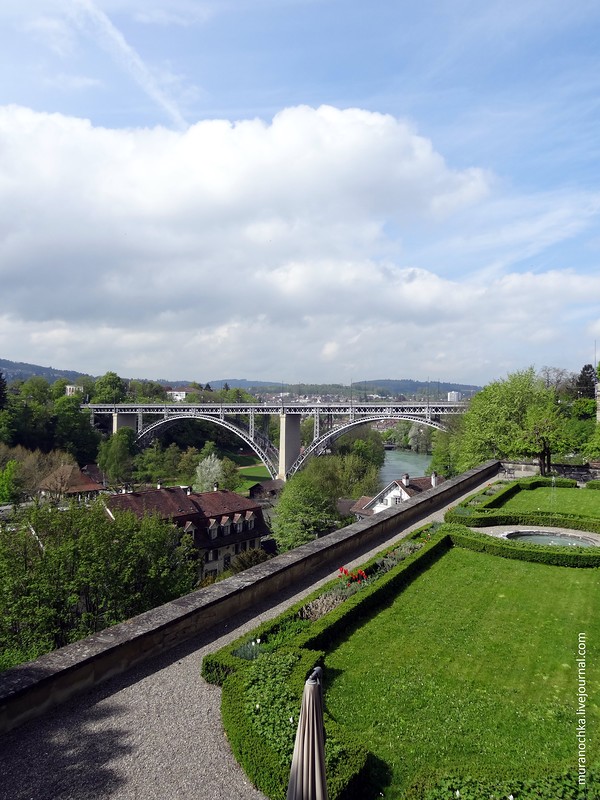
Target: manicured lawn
{"points": [[252, 475], [472, 671], [570, 501]]}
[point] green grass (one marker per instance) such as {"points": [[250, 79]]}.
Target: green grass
{"points": [[569, 501], [472, 671], [251, 475]]}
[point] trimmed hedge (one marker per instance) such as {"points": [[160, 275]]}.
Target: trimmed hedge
{"points": [[345, 756], [550, 787], [364, 603], [592, 485], [555, 555], [489, 512], [267, 764]]}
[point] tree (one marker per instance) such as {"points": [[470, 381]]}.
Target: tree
{"points": [[248, 558], [59, 389], [208, 449], [3, 392], [446, 447], [36, 389], [109, 389], [342, 476], [303, 512], [9, 490], [188, 462], [73, 431], [64, 575], [230, 475], [364, 442], [208, 473], [512, 418], [115, 456], [586, 382]]}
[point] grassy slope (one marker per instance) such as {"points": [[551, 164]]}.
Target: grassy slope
{"points": [[472, 670], [251, 475]]}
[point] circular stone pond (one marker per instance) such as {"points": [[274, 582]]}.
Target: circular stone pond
{"points": [[545, 537]]}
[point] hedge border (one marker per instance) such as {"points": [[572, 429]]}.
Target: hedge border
{"points": [[261, 763], [487, 514]]}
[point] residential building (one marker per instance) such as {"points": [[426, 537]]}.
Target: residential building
{"points": [[179, 395], [69, 482], [394, 494], [222, 523]]}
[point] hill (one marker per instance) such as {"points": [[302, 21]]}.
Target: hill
{"points": [[18, 370]]}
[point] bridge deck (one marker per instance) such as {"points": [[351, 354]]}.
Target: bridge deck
{"points": [[151, 734]]}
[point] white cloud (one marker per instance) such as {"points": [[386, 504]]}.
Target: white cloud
{"points": [[286, 250], [72, 83]]}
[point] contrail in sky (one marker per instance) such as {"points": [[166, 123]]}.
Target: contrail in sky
{"points": [[113, 41]]}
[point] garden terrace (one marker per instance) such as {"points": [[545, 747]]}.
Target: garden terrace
{"points": [[476, 655]]}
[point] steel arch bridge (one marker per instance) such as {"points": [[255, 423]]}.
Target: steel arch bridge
{"points": [[240, 419]]}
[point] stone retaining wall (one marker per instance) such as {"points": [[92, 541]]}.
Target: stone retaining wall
{"points": [[30, 689]]}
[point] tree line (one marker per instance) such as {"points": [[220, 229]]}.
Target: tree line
{"points": [[542, 416]]}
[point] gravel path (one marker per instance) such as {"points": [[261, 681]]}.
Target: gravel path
{"points": [[153, 733]]}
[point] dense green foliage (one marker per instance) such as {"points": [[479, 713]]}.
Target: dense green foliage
{"points": [[303, 512], [67, 573], [521, 417], [307, 506], [9, 489]]}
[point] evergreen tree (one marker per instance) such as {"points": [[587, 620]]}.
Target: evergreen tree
{"points": [[3, 392], [586, 382]]}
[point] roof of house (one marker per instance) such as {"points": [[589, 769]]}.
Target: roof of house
{"points": [[272, 486], [412, 487], [69, 479], [359, 506], [177, 502]]}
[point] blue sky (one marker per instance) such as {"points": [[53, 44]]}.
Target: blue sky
{"points": [[300, 190]]}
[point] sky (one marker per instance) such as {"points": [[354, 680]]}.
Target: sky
{"points": [[300, 190]]}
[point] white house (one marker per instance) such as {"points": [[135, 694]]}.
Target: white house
{"points": [[394, 494]]}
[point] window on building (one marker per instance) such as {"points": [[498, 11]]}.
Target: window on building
{"points": [[226, 562]]}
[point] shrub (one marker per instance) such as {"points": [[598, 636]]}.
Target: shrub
{"points": [[592, 485], [521, 550]]}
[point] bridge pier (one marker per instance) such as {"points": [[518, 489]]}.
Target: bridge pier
{"points": [[121, 420], [289, 443]]}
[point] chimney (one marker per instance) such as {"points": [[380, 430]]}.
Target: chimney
{"points": [[434, 479], [188, 490], [159, 485], [405, 479], [216, 486]]}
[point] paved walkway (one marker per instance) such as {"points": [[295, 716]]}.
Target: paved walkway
{"points": [[153, 733]]}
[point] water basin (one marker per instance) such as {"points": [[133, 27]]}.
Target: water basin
{"points": [[545, 537]]}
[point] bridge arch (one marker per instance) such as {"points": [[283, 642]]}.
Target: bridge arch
{"points": [[318, 445], [260, 448]]}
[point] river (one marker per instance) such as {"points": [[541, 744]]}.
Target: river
{"points": [[397, 462]]}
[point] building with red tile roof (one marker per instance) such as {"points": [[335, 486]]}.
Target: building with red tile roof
{"points": [[222, 523], [70, 482]]}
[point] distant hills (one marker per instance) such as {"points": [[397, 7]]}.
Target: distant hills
{"points": [[17, 370]]}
